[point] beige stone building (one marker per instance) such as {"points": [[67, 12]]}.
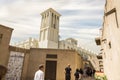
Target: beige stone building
{"points": [[5, 36], [110, 40], [26, 62], [89, 58], [55, 61], [100, 62], [27, 44], [23, 63], [49, 30], [49, 34], [68, 43]]}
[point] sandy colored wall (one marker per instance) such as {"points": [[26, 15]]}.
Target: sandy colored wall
{"points": [[111, 32], [4, 44], [36, 56], [25, 61], [64, 57]]}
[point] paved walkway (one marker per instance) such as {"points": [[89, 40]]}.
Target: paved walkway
{"points": [[88, 78]]}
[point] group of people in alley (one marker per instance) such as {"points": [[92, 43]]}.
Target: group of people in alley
{"points": [[79, 74]]}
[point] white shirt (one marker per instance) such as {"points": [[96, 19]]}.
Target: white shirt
{"points": [[39, 75]]}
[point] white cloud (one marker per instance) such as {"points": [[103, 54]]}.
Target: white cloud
{"points": [[4, 11], [24, 17]]}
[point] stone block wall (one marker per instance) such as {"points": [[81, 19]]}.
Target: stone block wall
{"points": [[15, 66]]}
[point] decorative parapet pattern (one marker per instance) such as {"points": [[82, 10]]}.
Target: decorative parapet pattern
{"points": [[15, 66]]}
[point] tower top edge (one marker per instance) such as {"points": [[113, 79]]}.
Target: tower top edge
{"points": [[52, 10]]}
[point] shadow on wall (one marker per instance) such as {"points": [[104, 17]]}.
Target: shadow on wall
{"points": [[3, 71]]}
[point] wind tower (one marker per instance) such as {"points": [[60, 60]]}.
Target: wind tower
{"points": [[49, 30]]}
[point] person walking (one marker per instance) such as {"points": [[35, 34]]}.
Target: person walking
{"points": [[76, 74], [81, 73], [39, 75], [68, 72], [93, 72]]}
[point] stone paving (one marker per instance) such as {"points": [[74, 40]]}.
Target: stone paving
{"points": [[88, 78]]}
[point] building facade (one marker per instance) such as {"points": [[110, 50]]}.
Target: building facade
{"points": [[68, 43], [29, 43], [49, 34], [110, 40], [89, 58], [100, 60], [21, 63], [5, 36]]}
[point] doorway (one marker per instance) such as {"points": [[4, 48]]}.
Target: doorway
{"points": [[50, 71]]}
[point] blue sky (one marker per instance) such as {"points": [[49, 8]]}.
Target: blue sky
{"points": [[81, 19]]}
